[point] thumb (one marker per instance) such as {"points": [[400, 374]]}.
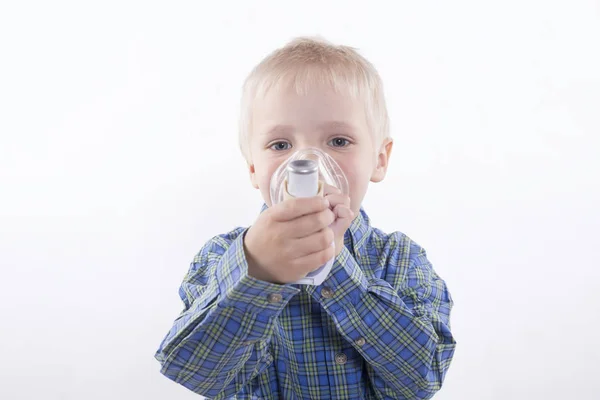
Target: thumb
{"points": [[344, 217]]}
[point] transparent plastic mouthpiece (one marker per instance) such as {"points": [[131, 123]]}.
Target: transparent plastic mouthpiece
{"points": [[305, 174]]}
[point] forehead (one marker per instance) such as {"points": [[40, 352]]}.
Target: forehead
{"points": [[317, 107]]}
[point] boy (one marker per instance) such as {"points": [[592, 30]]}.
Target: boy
{"points": [[378, 327]]}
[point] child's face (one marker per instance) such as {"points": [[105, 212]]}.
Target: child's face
{"points": [[285, 122]]}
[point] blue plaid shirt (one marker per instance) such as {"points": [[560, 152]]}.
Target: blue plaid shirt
{"points": [[377, 328]]}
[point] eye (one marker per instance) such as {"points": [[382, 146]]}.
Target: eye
{"points": [[339, 142], [278, 146]]}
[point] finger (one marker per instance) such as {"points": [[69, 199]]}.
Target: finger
{"points": [[344, 218], [308, 251], [335, 199], [309, 224], [316, 242], [291, 209], [330, 189], [314, 261], [343, 211]]}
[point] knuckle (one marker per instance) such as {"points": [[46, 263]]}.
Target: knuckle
{"points": [[323, 219], [326, 255], [269, 217], [330, 235], [330, 253], [321, 240], [320, 260], [326, 237]]}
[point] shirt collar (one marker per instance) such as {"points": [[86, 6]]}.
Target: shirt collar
{"points": [[357, 235]]}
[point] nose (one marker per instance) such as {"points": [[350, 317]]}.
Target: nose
{"points": [[309, 144], [311, 153]]}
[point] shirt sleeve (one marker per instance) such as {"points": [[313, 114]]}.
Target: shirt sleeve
{"points": [[402, 321], [219, 341]]}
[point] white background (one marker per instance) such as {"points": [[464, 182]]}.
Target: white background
{"points": [[119, 160]]}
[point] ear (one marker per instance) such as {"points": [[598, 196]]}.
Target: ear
{"points": [[252, 175], [383, 159]]}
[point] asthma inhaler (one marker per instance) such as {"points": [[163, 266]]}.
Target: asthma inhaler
{"points": [[305, 174], [303, 178], [303, 181]]}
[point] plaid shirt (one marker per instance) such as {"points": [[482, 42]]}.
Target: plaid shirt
{"points": [[377, 328]]}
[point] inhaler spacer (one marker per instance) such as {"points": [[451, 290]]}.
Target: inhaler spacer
{"points": [[305, 174]]}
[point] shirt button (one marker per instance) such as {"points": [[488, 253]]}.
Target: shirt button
{"points": [[360, 341], [274, 298], [341, 358], [327, 292]]}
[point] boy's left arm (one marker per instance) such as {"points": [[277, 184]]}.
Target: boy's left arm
{"points": [[399, 324], [403, 327]]}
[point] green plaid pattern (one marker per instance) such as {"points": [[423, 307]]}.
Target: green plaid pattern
{"points": [[377, 328]]}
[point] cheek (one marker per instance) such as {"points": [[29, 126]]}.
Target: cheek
{"points": [[358, 174], [355, 171], [265, 172]]}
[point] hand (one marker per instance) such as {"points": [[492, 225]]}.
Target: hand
{"points": [[340, 204], [290, 240]]}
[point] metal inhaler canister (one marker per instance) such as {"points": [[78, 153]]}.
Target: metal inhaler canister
{"points": [[303, 181], [303, 178], [329, 173]]}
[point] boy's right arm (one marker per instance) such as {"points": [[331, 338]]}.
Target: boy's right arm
{"points": [[219, 341]]}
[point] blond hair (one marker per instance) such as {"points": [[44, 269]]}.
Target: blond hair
{"points": [[305, 61]]}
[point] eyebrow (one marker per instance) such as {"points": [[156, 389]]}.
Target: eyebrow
{"points": [[281, 129], [336, 125]]}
